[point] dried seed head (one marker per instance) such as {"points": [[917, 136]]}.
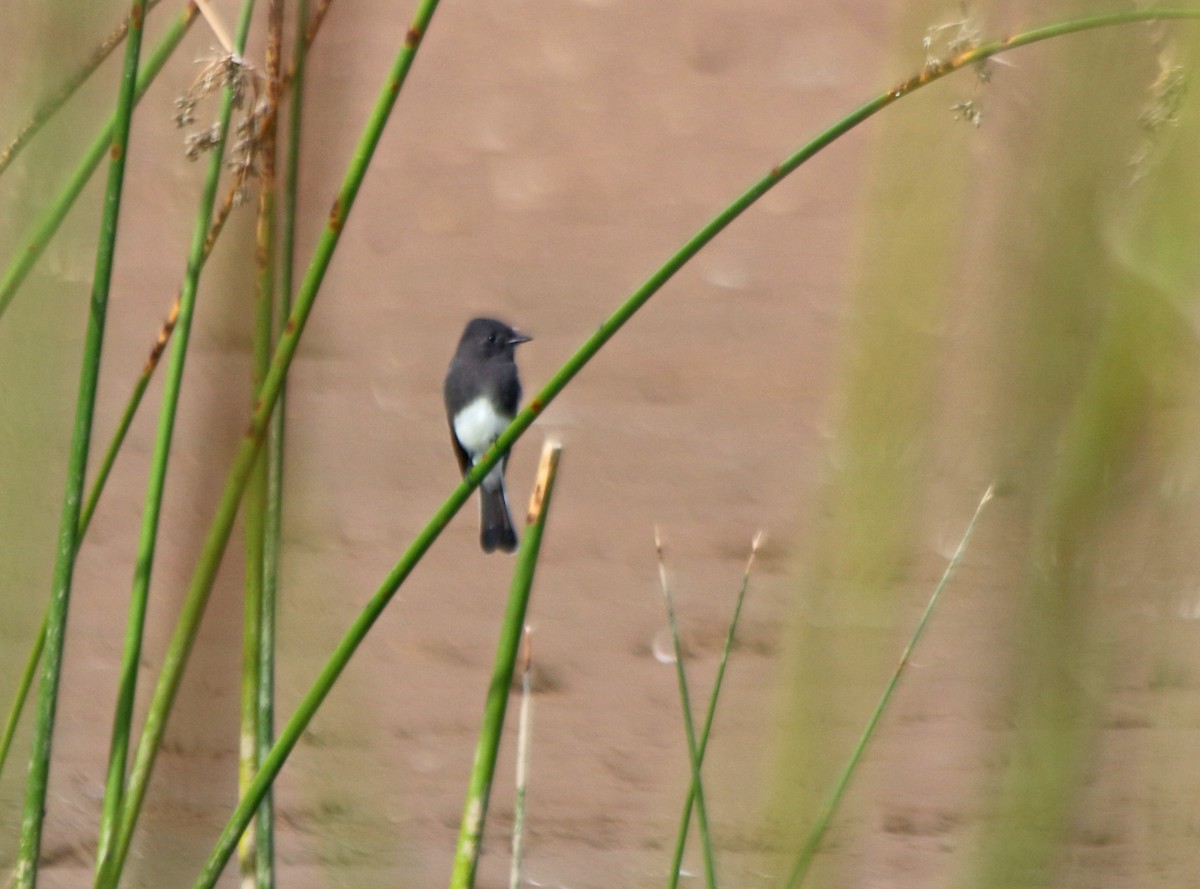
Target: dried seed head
{"points": [[947, 42], [196, 144], [968, 110], [950, 39], [185, 111], [1166, 96], [1161, 109], [226, 71], [964, 39], [237, 79], [242, 167]]}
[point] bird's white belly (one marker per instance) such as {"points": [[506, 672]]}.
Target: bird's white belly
{"points": [[476, 427]]}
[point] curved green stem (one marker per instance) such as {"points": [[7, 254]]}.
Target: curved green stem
{"points": [[358, 629]]}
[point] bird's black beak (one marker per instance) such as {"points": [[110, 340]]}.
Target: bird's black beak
{"points": [[517, 338]]}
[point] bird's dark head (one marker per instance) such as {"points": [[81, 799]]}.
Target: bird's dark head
{"points": [[487, 337]]}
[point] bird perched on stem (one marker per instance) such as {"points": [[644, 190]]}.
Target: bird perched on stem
{"points": [[482, 392]]}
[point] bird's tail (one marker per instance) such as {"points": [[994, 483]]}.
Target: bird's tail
{"points": [[495, 526]]}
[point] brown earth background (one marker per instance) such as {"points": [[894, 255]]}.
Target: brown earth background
{"points": [[847, 368]]}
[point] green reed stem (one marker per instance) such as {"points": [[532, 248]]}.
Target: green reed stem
{"points": [[693, 245], [50, 106], [685, 819], [110, 854], [85, 519], [31, 250], [360, 627], [255, 644], [479, 786], [219, 531], [695, 759], [521, 779], [309, 33], [110, 458], [273, 532], [825, 816], [68, 538], [26, 682], [291, 176]]}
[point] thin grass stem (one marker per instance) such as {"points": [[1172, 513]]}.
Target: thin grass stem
{"points": [[108, 867], [634, 302], [31, 250], [236, 185], [521, 779], [68, 538], [213, 20], [217, 538], [23, 686], [479, 787], [273, 532], [825, 816], [318, 16], [689, 725], [685, 819], [361, 625], [134, 402], [77, 78], [254, 662], [104, 469], [308, 33]]}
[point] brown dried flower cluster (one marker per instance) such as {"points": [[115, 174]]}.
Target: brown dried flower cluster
{"points": [[948, 40], [227, 71]]}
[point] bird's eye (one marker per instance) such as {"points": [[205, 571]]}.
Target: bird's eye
{"points": [[492, 338]]}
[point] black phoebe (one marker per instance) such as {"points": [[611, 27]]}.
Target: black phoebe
{"points": [[482, 393]]}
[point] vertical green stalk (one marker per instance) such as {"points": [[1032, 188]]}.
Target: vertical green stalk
{"points": [[107, 869], [689, 726], [219, 531], [291, 176], [256, 493], [524, 721], [825, 818], [685, 819], [68, 537], [479, 787], [254, 664], [273, 531], [307, 34], [31, 250]]}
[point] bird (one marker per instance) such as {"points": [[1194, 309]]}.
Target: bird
{"points": [[482, 392]]}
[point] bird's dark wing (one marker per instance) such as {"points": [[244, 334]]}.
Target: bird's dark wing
{"points": [[464, 459]]}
